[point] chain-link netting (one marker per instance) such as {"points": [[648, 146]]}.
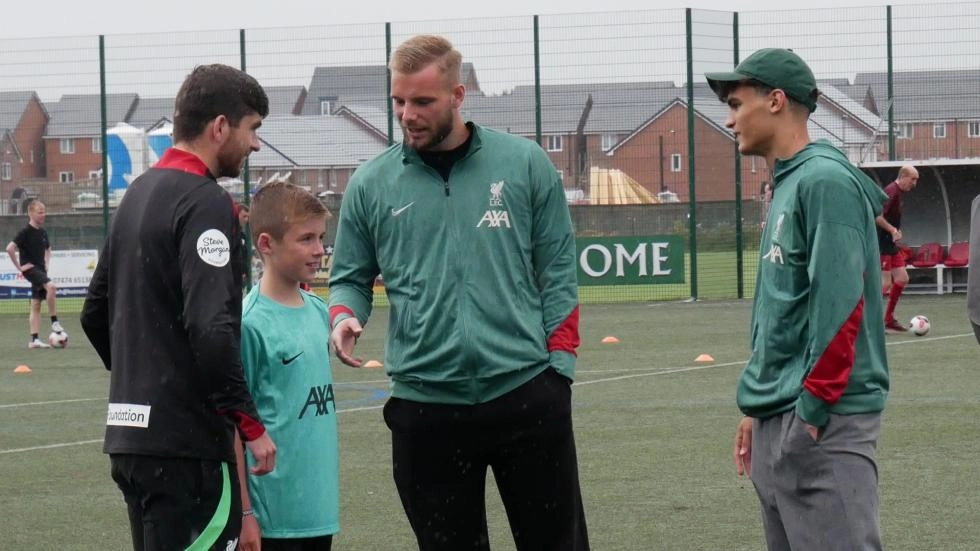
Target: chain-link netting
{"points": [[606, 95]]}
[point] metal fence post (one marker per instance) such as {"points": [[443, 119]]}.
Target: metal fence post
{"points": [[692, 195], [105, 147], [739, 246]]}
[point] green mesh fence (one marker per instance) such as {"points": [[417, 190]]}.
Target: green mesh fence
{"points": [[642, 153]]}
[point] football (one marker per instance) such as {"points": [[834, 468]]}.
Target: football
{"points": [[919, 325], [58, 339]]}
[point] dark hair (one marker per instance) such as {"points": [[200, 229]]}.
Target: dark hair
{"points": [[726, 88], [212, 90]]}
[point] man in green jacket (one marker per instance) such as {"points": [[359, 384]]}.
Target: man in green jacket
{"points": [[817, 377], [471, 231]]}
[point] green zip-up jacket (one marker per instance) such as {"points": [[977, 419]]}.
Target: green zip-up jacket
{"points": [[818, 337], [479, 271]]}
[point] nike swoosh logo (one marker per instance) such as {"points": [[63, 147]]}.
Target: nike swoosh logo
{"points": [[396, 212], [287, 361]]}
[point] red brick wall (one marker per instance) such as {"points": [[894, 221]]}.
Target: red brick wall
{"points": [[80, 162], [923, 146], [27, 137], [714, 159]]}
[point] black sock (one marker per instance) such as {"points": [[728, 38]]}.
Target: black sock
{"points": [[54, 319], [33, 337]]}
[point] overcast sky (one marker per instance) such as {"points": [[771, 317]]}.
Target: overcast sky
{"points": [[72, 17], [52, 47]]}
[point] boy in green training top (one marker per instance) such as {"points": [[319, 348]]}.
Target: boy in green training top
{"points": [[817, 378], [286, 361]]}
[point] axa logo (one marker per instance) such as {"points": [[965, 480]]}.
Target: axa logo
{"points": [[318, 398], [775, 254], [497, 194], [495, 219]]}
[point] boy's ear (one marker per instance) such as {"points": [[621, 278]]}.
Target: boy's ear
{"points": [[264, 243]]}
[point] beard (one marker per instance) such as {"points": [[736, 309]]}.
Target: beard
{"points": [[440, 130], [230, 164]]}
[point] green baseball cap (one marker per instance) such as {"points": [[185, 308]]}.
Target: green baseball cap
{"points": [[777, 68]]}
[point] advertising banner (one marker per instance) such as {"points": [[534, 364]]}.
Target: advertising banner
{"points": [[71, 271]]}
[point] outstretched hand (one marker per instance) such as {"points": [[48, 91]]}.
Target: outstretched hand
{"points": [[343, 339]]}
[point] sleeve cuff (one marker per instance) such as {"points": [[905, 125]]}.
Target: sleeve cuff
{"points": [[813, 410], [563, 362], [338, 314]]}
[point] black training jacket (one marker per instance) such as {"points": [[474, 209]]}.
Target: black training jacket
{"points": [[163, 312]]}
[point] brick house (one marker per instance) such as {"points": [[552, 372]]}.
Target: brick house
{"points": [[319, 153], [73, 142], [936, 113], [23, 120]]}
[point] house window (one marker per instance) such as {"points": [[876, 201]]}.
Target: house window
{"points": [[67, 146], [554, 142], [94, 174], [608, 141], [903, 130], [973, 129], [752, 163], [96, 145], [325, 107], [939, 130], [675, 162], [6, 172], [66, 177], [561, 175]]}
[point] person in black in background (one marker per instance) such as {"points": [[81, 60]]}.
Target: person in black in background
{"points": [[30, 252]]}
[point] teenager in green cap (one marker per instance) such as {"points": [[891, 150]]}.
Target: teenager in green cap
{"points": [[817, 378]]}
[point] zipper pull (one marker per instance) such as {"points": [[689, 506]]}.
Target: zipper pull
{"points": [[445, 186]]}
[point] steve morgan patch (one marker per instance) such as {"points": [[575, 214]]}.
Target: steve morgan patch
{"points": [[214, 248]]}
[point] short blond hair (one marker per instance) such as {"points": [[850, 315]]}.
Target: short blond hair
{"points": [[280, 205], [34, 204], [420, 51]]}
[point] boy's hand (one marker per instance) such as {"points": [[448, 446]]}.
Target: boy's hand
{"points": [[343, 338], [25, 267], [251, 536], [263, 450]]}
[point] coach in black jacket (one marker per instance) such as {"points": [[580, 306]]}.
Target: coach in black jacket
{"points": [[163, 311]]}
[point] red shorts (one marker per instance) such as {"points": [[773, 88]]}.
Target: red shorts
{"points": [[892, 261]]}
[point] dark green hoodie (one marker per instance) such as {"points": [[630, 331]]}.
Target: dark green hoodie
{"points": [[818, 338]]}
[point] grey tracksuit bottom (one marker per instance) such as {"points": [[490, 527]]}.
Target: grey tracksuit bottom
{"points": [[817, 495]]}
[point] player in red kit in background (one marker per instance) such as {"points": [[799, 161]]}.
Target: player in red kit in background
{"points": [[894, 277]]}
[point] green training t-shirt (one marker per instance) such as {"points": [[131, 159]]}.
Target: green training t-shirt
{"points": [[286, 360]]}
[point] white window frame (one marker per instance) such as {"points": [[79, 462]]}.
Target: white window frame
{"points": [[752, 161], [608, 141], [676, 163], [66, 146], [325, 107], [7, 171], [904, 130], [66, 177], [973, 129], [96, 145], [555, 142], [939, 130], [94, 174], [561, 175]]}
